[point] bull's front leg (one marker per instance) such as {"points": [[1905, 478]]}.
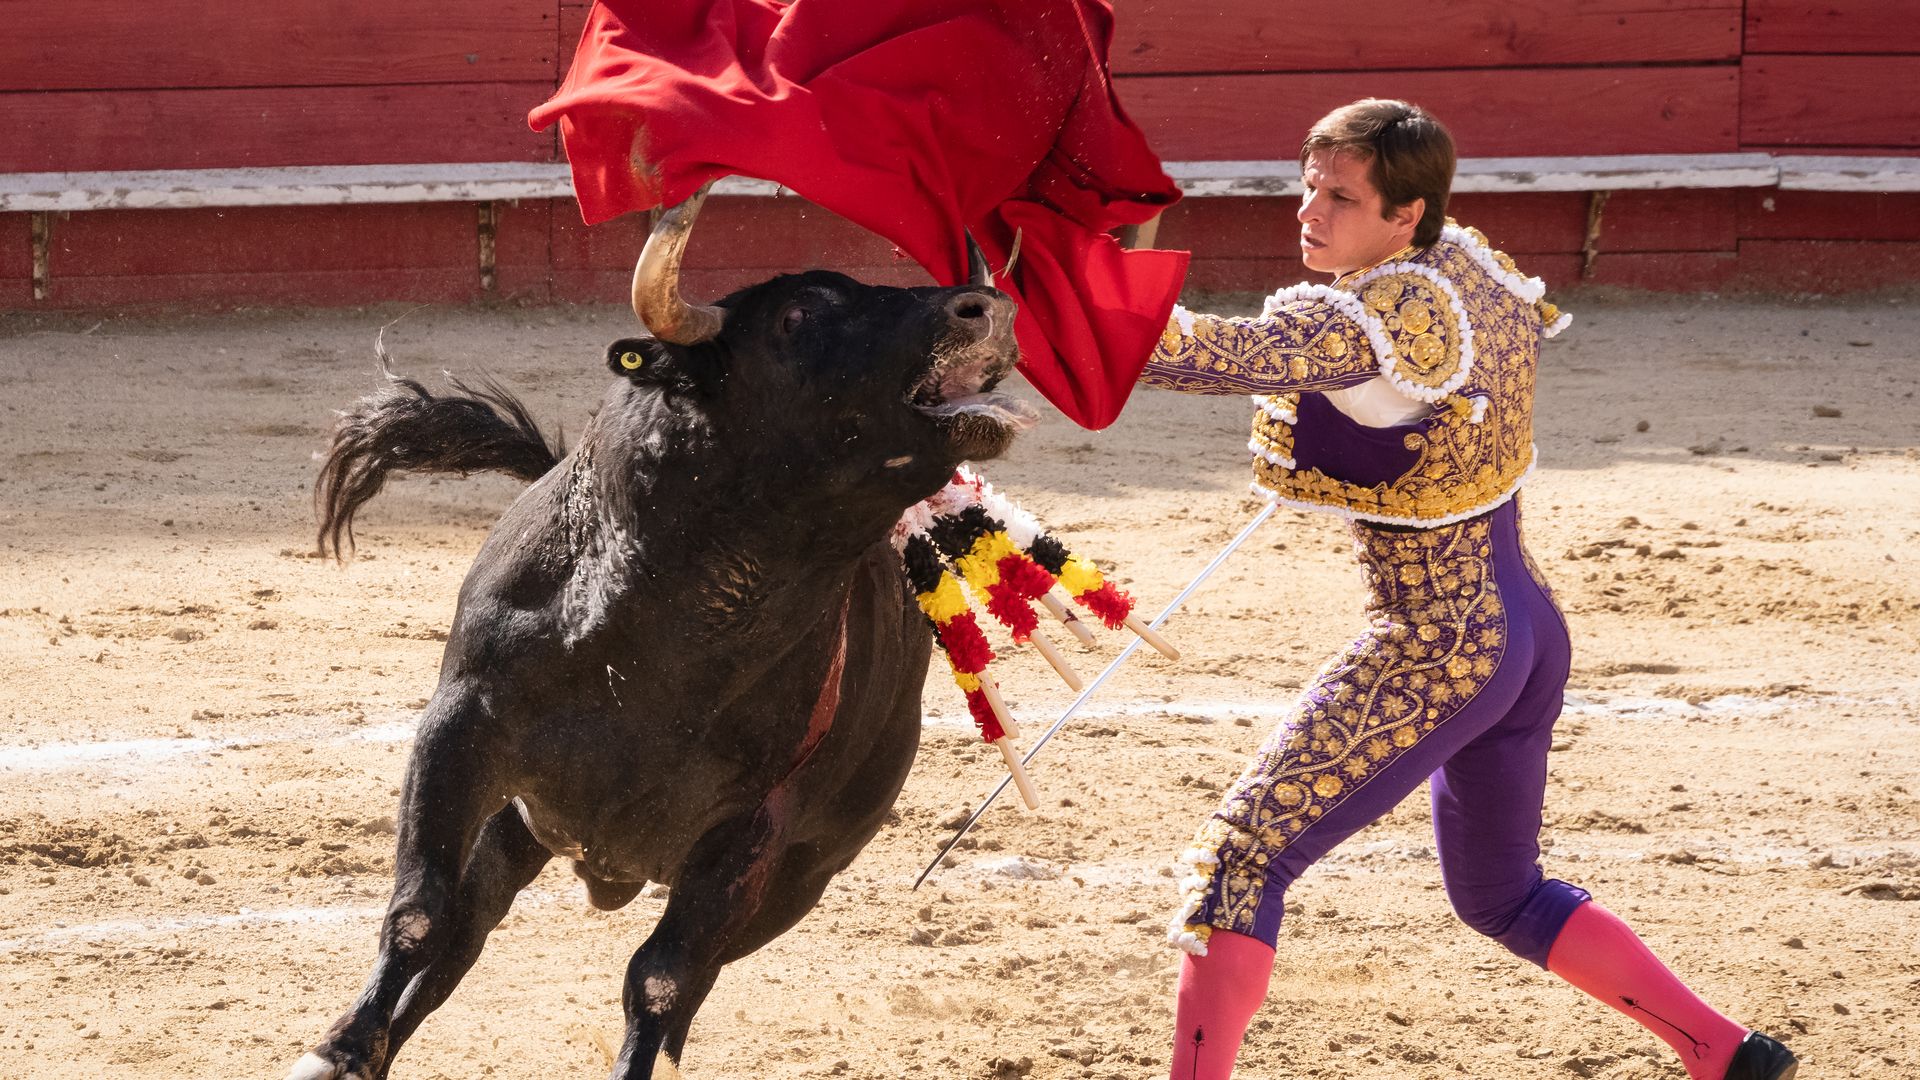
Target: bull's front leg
{"points": [[744, 887], [449, 791]]}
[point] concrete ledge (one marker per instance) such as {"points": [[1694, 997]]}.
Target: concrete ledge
{"points": [[328, 185], [1620, 173], [306, 185], [1817, 173]]}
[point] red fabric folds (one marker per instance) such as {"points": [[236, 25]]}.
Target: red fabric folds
{"points": [[918, 119]]}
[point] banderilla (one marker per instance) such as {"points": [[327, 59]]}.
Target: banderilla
{"points": [[1173, 606]]}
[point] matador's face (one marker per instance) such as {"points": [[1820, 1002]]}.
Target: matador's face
{"points": [[1345, 224]]}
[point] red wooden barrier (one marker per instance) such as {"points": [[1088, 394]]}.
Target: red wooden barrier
{"points": [[1826, 266], [1531, 223], [1667, 240], [419, 252], [1665, 271], [16, 262], [1832, 26], [264, 240], [1855, 102], [1682, 220], [179, 84], [774, 235], [283, 254], [1165, 37], [1829, 215], [573, 21], [1537, 111], [1232, 228], [179, 44], [342, 125], [226, 290]]}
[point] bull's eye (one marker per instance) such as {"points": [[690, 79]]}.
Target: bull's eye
{"points": [[632, 360], [791, 321]]}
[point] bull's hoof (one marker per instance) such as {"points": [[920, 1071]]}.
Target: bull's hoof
{"points": [[315, 1067]]}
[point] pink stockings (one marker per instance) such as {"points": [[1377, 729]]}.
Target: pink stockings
{"points": [[1219, 993], [1602, 956], [1594, 951]]}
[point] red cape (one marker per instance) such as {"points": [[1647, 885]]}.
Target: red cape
{"points": [[918, 119]]}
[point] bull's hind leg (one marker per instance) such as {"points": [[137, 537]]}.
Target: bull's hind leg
{"points": [[744, 889], [450, 790]]}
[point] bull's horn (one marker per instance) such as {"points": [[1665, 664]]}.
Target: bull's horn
{"points": [[977, 272], [656, 281]]}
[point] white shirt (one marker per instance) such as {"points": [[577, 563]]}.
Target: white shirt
{"points": [[1375, 403]]}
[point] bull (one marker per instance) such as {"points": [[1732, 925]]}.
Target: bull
{"points": [[686, 653]]}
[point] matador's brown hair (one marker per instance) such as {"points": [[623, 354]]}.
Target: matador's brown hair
{"points": [[1409, 154]]}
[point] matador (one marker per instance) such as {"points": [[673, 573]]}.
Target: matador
{"points": [[1401, 398]]}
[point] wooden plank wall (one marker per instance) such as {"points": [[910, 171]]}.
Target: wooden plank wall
{"points": [[178, 84], [207, 84], [1233, 79]]}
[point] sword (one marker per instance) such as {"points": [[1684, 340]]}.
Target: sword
{"points": [[1172, 606]]}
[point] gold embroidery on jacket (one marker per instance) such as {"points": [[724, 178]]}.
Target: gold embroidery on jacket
{"points": [[1436, 634], [1421, 320], [1273, 433], [1478, 445], [1302, 345]]}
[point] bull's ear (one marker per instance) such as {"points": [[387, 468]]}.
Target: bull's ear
{"points": [[648, 360]]}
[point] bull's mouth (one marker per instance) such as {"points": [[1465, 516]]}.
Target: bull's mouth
{"points": [[957, 393], [963, 385]]}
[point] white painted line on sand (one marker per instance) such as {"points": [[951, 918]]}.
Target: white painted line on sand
{"points": [[111, 931], [123, 929], [399, 727]]}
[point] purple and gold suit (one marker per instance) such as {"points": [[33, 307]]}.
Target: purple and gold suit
{"points": [[1459, 673]]}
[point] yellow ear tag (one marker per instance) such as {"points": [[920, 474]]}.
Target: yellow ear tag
{"points": [[632, 360]]}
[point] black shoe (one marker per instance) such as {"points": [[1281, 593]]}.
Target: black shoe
{"points": [[1761, 1058]]}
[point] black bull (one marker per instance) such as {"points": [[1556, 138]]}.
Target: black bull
{"points": [[686, 654]]}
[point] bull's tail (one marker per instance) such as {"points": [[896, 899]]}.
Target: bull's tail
{"points": [[403, 428]]}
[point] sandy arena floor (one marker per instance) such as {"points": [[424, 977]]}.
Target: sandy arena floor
{"points": [[204, 729]]}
